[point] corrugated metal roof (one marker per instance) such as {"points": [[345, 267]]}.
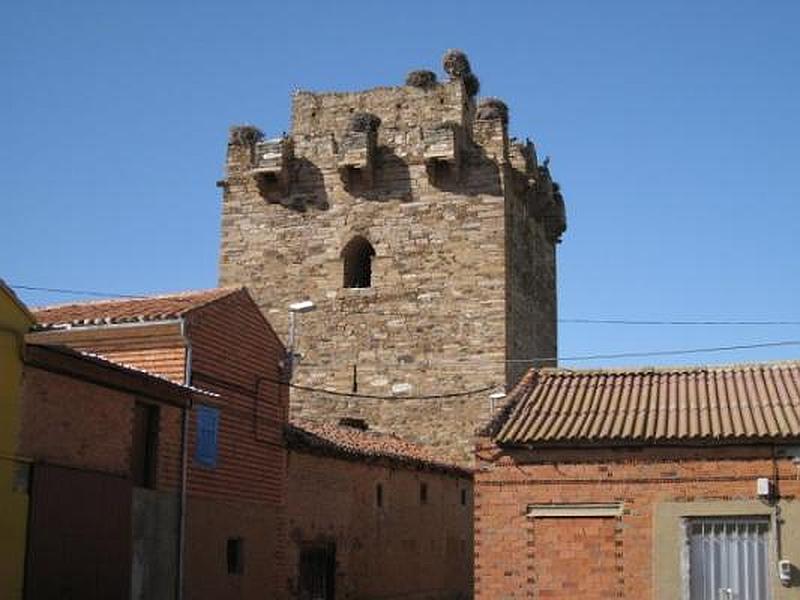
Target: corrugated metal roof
{"points": [[670, 405], [42, 355], [105, 361], [127, 310], [350, 442]]}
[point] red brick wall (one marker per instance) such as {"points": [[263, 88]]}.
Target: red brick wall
{"points": [[236, 354], [157, 348], [71, 422], [521, 557], [404, 550], [566, 547]]}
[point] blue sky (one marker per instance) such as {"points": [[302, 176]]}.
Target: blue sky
{"points": [[673, 128]]}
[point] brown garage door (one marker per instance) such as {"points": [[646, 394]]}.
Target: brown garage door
{"points": [[79, 541]]}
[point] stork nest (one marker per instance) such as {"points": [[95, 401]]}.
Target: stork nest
{"points": [[364, 122], [492, 108], [245, 135], [422, 79], [456, 63]]}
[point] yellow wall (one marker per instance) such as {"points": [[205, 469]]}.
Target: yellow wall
{"points": [[14, 322]]}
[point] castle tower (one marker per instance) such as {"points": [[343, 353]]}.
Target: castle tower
{"points": [[424, 235]]}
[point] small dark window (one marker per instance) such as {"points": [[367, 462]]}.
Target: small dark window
{"points": [[423, 493], [145, 445], [357, 256], [463, 497], [379, 495], [235, 555]]}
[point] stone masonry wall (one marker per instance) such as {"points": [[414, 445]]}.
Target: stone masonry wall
{"points": [[435, 319]]}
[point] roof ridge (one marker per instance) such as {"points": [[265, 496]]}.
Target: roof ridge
{"points": [[740, 366], [160, 296], [413, 451]]}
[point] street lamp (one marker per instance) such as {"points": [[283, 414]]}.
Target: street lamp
{"points": [[304, 306], [493, 398]]}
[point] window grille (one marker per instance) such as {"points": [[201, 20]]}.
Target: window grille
{"points": [[728, 558]]}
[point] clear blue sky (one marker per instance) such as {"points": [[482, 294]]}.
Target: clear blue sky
{"points": [[672, 126]]}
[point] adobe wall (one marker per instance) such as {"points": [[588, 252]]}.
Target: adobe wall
{"points": [[446, 236], [210, 524], [404, 549], [636, 554]]}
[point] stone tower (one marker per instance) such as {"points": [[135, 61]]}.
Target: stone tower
{"points": [[424, 235]]}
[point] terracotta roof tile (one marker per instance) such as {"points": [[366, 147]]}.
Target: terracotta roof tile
{"points": [[701, 404], [350, 442], [127, 310]]}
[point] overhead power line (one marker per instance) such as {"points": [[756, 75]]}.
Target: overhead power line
{"points": [[34, 288], [672, 322], [648, 353], [572, 321]]}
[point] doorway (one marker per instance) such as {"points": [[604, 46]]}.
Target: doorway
{"points": [[318, 572]]}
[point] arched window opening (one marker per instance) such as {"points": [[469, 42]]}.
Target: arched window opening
{"points": [[357, 256]]}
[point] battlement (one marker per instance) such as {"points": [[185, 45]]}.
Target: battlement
{"points": [[401, 109]]}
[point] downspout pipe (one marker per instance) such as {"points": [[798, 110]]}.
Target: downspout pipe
{"points": [[776, 507], [181, 550]]}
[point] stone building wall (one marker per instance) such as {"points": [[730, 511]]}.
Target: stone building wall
{"points": [[455, 282]]}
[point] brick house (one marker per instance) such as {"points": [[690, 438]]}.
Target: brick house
{"points": [[374, 516], [234, 458], [652, 483], [102, 496]]}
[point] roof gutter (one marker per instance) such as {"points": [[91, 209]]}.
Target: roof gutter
{"points": [[101, 326]]}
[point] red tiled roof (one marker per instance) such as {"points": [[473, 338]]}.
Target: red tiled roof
{"points": [[350, 442], [127, 310], [739, 403]]}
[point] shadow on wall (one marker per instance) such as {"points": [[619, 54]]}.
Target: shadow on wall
{"points": [[306, 188], [478, 174], [391, 179]]}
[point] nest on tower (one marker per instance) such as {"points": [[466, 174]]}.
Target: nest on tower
{"points": [[363, 122], [456, 65], [422, 79], [245, 135], [492, 108]]}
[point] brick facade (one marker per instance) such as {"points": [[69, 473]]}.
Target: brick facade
{"points": [[74, 424], [232, 351], [402, 549], [463, 273], [636, 554], [236, 354], [101, 484]]}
